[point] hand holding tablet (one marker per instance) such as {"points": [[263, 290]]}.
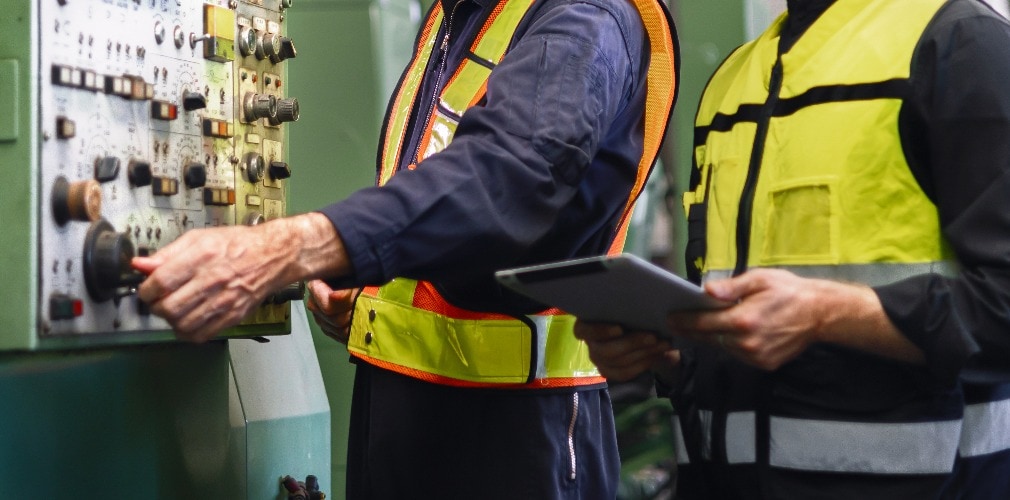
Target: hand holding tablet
{"points": [[622, 289]]}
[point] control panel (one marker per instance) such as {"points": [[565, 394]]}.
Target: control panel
{"points": [[154, 117]]}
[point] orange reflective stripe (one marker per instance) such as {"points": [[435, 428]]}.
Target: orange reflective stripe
{"points": [[547, 383], [427, 297], [468, 83], [399, 113], [661, 82]]}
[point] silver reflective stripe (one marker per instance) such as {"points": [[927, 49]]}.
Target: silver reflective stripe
{"points": [[741, 437], [986, 428], [875, 274], [874, 448], [542, 323], [705, 416], [680, 449]]}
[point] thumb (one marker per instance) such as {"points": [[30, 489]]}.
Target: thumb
{"points": [[734, 289]]}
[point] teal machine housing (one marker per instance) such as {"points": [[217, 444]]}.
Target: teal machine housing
{"points": [[123, 125]]}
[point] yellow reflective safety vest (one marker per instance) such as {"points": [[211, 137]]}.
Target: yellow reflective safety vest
{"points": [[799, 165], [406, 326], [798, 159]]}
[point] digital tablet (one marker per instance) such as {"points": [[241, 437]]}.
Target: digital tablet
{"points": [[622, 289]]}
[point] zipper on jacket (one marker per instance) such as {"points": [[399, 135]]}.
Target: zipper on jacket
{"points": [[571, 435], [443, 50], [744, 211]]}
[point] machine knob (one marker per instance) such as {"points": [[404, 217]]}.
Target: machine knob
{"points": [[194, 175], [139, 173], [259, 106], [254, 218], [272, 46], [286, 50], [287, 111], [279, 170], [254, 167], [247, 39], [294, 291], [81, 200], [106, 169], [193, 100], [107, 257]]}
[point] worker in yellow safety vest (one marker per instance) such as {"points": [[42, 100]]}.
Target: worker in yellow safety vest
{"points": [[849, 199], [520, 132]]}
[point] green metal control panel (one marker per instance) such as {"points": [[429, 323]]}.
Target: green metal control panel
{"points": [[124, 124]]}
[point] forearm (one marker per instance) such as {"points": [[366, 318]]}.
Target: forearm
{"points": [[852, 316], [307, 246]]}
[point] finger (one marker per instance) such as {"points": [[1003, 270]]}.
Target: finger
{"points": [[319, 293], [597, 331], [628, 371], [220, 310], [342, 301], [626, 350], [736, 288]]}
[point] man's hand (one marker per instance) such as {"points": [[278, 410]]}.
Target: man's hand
{"points": [[621, 355], [778, 315], [210, 279], [332, 309]]}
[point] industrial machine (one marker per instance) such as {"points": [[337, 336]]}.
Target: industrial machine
{"points": [[124, 124], [148, 118]]}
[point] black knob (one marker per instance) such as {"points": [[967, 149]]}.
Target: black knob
{"points": [[106, 169], [279, 170], [287, 50], [139, 173], [107, 257], [193, 101], [195, 175]]}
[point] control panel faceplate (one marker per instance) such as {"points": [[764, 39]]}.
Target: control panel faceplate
{"points": [[156, 117]]}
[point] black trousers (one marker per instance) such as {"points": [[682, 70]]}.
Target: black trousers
{"points": [[410, 439]]}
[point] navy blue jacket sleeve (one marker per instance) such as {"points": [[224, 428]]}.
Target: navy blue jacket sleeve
{"points": [[516, 162], [956, 133]]}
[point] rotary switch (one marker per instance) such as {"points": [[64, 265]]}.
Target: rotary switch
{"points": [[107, 256], [279, 170], [139, 173], [194, 175], [258, 106], [275, 47], [192, 101], [287, 111]]}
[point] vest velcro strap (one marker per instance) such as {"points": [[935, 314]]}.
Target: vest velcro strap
{"points": [[468, 352]]}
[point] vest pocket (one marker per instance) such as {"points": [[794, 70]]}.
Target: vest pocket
{"points": [[801, 224]]}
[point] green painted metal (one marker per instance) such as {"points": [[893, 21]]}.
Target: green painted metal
{"points": [[708, 31], [121, 421], [351, 54], [129, 423], [17, 218]]}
